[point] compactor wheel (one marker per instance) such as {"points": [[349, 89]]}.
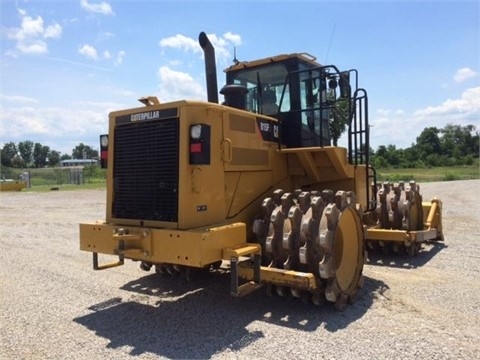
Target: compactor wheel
{"points": [[317, 232], [399, 206], [342, 239]]}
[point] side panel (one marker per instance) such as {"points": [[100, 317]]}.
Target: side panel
{"points": [[250, 141], [253, 166], [202, 187]]}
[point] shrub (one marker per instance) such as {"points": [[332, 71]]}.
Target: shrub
{"points": [[450, 177]]}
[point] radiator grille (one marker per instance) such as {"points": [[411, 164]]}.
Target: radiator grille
{"points": [[146, 171]]}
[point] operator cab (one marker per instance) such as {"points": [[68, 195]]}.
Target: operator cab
{"points": [[303, 95]]}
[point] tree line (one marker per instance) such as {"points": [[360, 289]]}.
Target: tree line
{"points": [[27, 154], [448, 146]]}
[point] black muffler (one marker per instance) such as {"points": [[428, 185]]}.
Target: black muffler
{"points": [[210, 67]]}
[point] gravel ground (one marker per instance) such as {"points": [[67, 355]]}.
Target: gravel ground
{"points": [[54, 306]]}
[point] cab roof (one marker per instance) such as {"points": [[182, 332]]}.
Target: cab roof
{"points": [[305, 57]]}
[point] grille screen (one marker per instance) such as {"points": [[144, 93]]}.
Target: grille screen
{"points": [[146, 171]]}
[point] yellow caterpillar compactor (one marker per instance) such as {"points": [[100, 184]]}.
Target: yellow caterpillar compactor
{"points": [[255, 183]]}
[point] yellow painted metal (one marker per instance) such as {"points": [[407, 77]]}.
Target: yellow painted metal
{"points": [[281, 277], [241, 250], [200, 186], [432, 212], [246, 289], [243, 170], [388, 235], [402, 235], [432, 227], [320, 163], [195, 247], [243, 167], [12, 185], [348, 253]]}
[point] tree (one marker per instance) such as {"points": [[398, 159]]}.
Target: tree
{"points": [[82, 151], [389, 155], [26, 151], [18, 162], [428, 142], [40, 155], [411, 157], [54, 158], [382, 151], [457, 141], [394, 155], [339, 120], [380, 162], [9, 151]]}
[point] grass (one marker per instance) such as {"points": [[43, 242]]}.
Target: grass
{"points": [[68, 187], [449, 173]]}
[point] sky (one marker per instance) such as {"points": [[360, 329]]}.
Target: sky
{"points": [[65, 64]]}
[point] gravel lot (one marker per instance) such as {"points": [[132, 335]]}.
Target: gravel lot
{"points": [[54, 306]]}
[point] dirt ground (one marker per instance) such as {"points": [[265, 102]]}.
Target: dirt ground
{"points": [[53, 305]]}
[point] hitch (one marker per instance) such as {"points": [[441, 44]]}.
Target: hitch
{"points": [[233, 254], [120, 262]]}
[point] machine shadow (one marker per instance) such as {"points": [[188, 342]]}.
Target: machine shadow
{"points": [[173, 318], [429, 250]]}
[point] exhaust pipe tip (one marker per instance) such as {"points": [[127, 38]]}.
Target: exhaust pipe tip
{"points": [[203, 40]]}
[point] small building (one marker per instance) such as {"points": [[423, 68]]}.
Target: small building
{"points": [[78, 162]]}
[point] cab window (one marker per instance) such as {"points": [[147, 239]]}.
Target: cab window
{"points": [[264, 88]]}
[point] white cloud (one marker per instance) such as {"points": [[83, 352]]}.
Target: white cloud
{"points": [[99, 8], [53, 31], [32, 47], [176, 85], [120, 56], [181, 42], [31, 27], [60, 128], [175, 63], [464, 74], [222, 44], [18, 99], [401, 129], [31, 35], [104, 36], [88, 51], [383, 112], [467, 106], [235, 39]]}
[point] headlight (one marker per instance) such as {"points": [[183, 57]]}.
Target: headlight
{"points": [[104, 140], [196, 131]]}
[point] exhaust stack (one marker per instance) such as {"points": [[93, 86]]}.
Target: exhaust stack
{"points": [[210, 67]]}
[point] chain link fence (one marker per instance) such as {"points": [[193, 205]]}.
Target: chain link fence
{"points": [[58, 176]]}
